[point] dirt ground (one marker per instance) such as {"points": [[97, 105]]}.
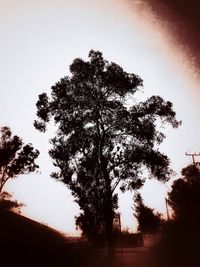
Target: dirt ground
{"points": [[126, 257]]}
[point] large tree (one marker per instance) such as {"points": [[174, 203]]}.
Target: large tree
{"points": [[15, 157], [104, 138]]}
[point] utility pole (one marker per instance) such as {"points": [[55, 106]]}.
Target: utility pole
{"points": [[166, 203], [193, 155]]}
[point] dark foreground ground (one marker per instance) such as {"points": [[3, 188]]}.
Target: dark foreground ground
{"points": [[24, 242], [60, 255]]}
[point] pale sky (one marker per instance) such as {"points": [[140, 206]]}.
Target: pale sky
{"points": [[40, 39]]}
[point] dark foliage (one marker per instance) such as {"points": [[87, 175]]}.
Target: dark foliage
{"points": [[15, 157], [7, 202], [103, 140], [148, 219], [184, 197], [180, 244]]}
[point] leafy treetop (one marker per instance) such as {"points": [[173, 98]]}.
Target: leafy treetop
{"points": [[15, 157], [92, 114], [184, 198]]}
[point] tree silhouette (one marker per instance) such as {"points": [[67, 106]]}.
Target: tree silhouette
{"points": [[15, 157], [180, 244], [184, 197], [103, 139], [148, 220], [7, 202]]}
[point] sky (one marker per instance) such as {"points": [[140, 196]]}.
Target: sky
{"points": [[157, 40]]}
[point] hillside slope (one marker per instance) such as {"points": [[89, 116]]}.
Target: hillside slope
{"points": [[24, 242], [18, 229]]}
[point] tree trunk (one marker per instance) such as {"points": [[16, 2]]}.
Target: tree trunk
{"points": [[108, 212], [108, 224], [108, 209]]}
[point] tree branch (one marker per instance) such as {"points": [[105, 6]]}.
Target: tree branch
{"points": [[115, 184]]}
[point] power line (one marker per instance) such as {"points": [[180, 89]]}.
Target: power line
{"points": [[193, 155]]}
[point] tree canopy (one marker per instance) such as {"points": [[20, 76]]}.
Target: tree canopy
{"points": [[7, 202], [184, 198], [103, 138], [15, 157], [180, 244]]}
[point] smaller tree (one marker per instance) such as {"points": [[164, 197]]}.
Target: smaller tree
{"points": [[15, 157], [7, 202], [180, 244], [184, 198], [148, 220]]}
